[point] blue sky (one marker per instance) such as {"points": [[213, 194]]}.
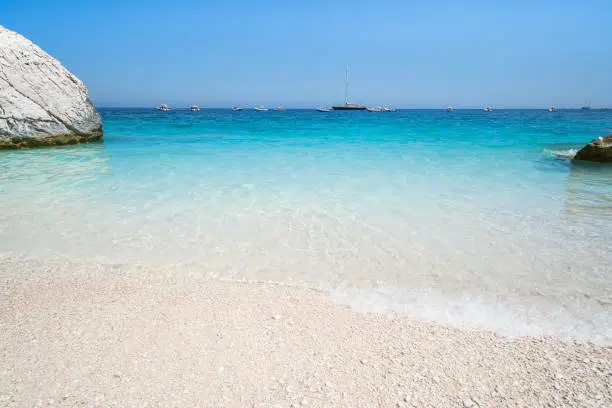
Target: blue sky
{"points": [[411, 54]]}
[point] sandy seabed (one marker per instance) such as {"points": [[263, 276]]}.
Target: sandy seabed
{"points": [[75, 335]]}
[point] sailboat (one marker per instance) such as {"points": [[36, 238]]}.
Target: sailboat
{"points": [[347, 105], [586, 106]]}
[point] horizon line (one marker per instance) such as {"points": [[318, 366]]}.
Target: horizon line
{"points": [[315, 107]]}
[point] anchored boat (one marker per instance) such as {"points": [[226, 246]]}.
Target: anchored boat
{"points": [[347, 105]]}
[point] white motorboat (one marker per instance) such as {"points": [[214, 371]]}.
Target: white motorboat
{"points": [[194, 108], [323, 109], [376, 109], [261, 109], [163, 107], [236, 108], [488, 109]]}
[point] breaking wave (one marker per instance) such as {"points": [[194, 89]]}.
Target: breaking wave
{"points": [[562, 153]]}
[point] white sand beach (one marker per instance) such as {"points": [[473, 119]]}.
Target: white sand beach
{"points": [[78, 335]]}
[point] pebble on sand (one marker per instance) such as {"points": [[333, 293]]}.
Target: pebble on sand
{"points": [[468, 403]]}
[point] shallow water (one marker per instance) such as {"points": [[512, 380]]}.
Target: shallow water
{"points": [[468, 218]]}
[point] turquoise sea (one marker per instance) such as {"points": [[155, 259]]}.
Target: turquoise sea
{"points": [[466, 218]]}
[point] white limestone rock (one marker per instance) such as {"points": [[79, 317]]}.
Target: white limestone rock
{"points": [[41, 103]]}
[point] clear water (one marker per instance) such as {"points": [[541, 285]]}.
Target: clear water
{"points": [[467, 218]]}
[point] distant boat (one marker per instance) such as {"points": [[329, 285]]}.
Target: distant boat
{"points": [[236, 108], [449, 109], [194, 108], [163, 107], [347, 105], [388, 109], [586, 106], [323, 110], [376, 109], [278, 109], [488, 109], [261, 109], [552, 109]]}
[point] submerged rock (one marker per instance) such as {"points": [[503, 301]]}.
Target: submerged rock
{"points": [[599, 150], [41, 103]]}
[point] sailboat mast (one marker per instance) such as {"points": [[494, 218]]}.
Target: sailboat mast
{"points": [[347, 106], [346, 87]]}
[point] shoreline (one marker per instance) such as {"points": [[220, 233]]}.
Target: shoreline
{"points": [[104, 335]]}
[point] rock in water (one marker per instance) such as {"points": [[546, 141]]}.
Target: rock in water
{"points": [[41, 103], [599, 150]]}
